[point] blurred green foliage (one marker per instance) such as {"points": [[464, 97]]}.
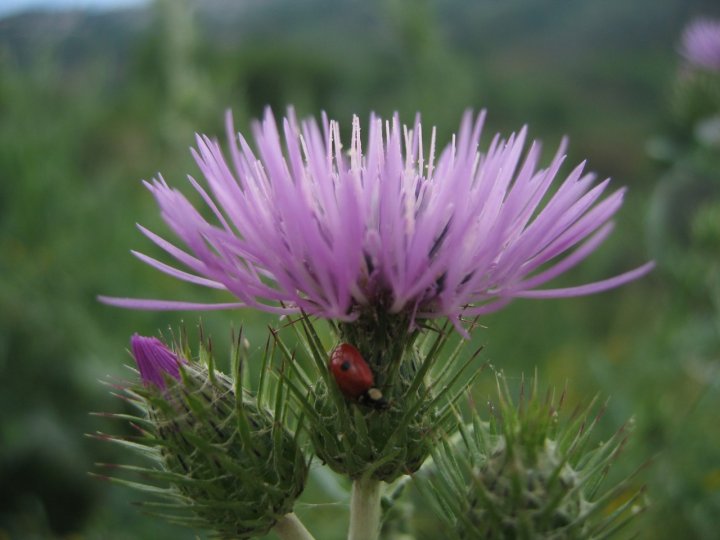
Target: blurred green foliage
{"points": [[90, 103]]}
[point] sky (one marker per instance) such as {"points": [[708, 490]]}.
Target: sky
{"points": [[8, 7]]}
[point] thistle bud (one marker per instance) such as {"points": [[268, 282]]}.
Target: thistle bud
{"points": [[222, 460], [529, 474]]}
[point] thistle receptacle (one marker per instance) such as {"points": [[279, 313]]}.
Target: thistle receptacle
{"points": [[359, 439]]}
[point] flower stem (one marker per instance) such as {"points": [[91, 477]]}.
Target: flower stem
{"points": [[289, 527], [365, 510]]}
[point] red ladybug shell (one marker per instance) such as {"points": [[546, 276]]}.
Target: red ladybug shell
{"points": [[351, 372]]}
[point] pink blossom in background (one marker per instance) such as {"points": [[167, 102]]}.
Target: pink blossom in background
{"points": [[701, 44]]}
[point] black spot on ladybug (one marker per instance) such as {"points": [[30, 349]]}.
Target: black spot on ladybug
{"points": [[345, 366]]}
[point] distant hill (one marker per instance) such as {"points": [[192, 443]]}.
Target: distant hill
{"points": [[487, 27]]}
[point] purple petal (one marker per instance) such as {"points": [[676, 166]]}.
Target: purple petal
{"points": [[590, 288]]}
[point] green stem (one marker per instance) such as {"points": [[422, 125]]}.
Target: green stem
{"points": [[365, 510], [289, 527]]}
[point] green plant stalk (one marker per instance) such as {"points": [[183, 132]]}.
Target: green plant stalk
{"points": [[365, 509], [289, 527]]}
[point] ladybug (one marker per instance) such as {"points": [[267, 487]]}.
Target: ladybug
{"points": [[354, 377]]}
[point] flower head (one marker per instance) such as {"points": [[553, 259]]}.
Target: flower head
{"points": [[221, 457], [701, 44], [154, 360], [532, 471], [307, 224]]}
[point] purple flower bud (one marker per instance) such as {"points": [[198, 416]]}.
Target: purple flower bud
{"points": [[391, 225], [701, 44], [154, 360]]}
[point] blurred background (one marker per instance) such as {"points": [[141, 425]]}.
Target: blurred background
{"points": [[94, 100]]}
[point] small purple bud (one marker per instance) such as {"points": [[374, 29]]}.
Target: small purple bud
{"points": [[154, 360]]}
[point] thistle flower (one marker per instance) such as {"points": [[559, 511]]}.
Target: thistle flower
{"points": [[309, 225], [701, 44], [222, 460]]}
